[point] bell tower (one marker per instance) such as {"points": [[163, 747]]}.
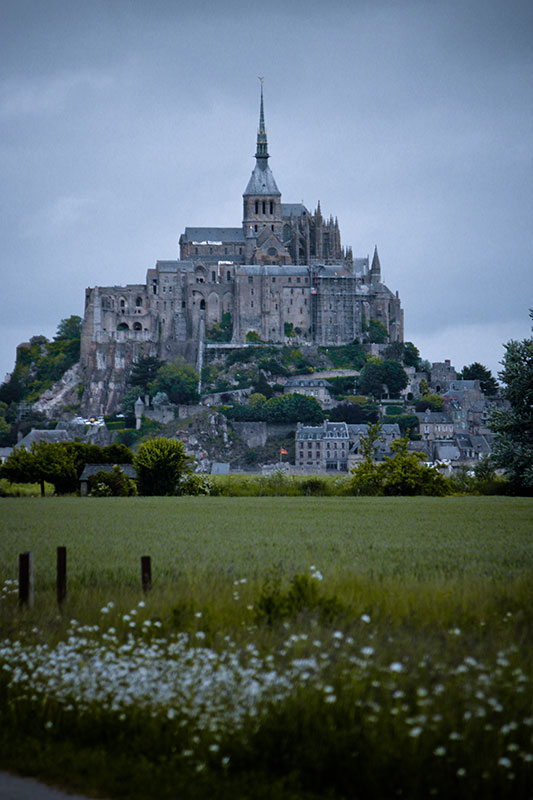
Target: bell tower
{"points": [[261, 198]]}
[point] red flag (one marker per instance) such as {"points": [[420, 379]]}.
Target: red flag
{"points": [[283, 452]]}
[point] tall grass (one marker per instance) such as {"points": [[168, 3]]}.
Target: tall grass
{"points": [[395, 658]]}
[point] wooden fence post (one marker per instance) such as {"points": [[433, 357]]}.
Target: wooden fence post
{"points": [[61, 582], [146, 573], [26, 579]]}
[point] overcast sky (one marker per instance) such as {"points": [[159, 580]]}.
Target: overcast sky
{"points": [[122, 122]]}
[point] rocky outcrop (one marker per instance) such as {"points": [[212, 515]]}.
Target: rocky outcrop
{"points": [[63, 393]]}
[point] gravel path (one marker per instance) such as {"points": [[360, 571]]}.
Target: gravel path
{"points": [[14, 788]]}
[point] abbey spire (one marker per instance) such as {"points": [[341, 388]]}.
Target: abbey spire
{"points": [[262, 145], [262, 181]]}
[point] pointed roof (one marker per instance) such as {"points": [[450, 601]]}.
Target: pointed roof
{"points": [[376, 266], [262, 181], [262, 144]]}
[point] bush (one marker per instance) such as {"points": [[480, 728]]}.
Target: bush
{"points": [[112, 484], [161, 465], [314, 486]]}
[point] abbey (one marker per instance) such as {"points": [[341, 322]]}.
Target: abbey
{"points": [[282, 273]]}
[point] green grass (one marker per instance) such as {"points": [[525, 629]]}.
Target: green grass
{"points": [[441, 587]]}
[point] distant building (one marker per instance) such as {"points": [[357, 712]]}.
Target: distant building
{"points": [[312, 387], [282, 275], [322, 447]]}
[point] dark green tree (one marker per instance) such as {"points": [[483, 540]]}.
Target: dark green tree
{"points": [[513, 448], [354, 413], [370, 380], [68, 329], [144, 372], [376, 375], [179, 380], [411, 355], [161, 464], [477, 372]]}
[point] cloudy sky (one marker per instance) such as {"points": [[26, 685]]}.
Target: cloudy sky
{"points": [[123, 121]]}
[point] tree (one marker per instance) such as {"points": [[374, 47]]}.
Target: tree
{"points": [[404, 474], [411, 355], [21, 467], [371, 379], [161, 464], [513, 448], [354, 413], [401, 474], [179, 380], [377, 374], [144, 372], [477, 372], [433, 402], [68, 329]]}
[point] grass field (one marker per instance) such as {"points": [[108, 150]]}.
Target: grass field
{"points": [[290, 647]]}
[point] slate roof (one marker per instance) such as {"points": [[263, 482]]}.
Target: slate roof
{"points": [[294, 209], [329, 430], [262, 181], [43, 436], [205, 235], [92, 469]]}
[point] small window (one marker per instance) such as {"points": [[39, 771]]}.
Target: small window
{"points": [[251, 304], [290, 280], [271, 209], [255, 226], [183, 303], [250, 279], [257, 207], [137, 326], [273, 280], [264, 207], [202, 305], [139, 302], [228, 275], [271, 227], [195, 251], [213, 276]]}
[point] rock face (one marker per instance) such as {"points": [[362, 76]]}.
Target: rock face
{"points": [[63, 393]]}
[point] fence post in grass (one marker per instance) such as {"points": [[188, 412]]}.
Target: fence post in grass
{"points": [[146, 573], [26, 579], [61, 582]]}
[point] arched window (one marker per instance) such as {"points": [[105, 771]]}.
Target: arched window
{"points": [[271, 207], [264, 207], [202, 305], [257, 206], [123, 326], [137, 326], [139, 302]]}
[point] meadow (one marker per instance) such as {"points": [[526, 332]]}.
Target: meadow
{"points": [[291, 647]]}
